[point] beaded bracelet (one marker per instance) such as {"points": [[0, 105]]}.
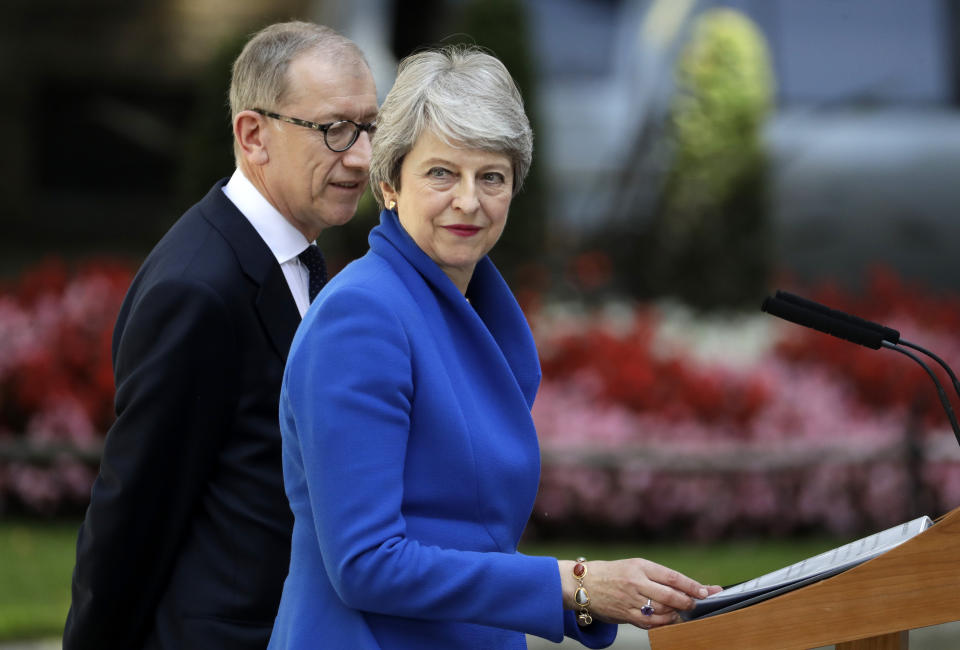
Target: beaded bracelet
{"points": [[581, 597]]}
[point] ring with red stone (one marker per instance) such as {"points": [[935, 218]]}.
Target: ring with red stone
{"points": [[647, 610]]}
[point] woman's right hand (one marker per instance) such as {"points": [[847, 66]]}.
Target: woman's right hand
{"points": [[619, 589]]}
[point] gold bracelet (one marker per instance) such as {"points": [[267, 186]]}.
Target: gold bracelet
{"points": [[581, 597]]}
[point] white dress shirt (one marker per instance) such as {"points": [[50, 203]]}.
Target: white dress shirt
{"points": [[283, 239]]}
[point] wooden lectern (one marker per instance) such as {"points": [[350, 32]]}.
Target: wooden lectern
{"points": [[869, 607]]}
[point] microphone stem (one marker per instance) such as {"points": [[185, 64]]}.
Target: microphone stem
{"points": [[943, 364], [940, 392]]}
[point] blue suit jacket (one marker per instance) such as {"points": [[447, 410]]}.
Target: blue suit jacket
{"points": [[411, 464]]}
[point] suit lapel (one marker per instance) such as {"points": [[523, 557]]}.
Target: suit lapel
{"points": [[274, 303], [277, 310]]}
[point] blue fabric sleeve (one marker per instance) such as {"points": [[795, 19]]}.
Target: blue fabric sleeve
{"points": [[595, 635], [352, 435]]}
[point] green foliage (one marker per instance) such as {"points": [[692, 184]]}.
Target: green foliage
{"points": [[501, 26], [724, 96], [709, 241], [36, 562]]}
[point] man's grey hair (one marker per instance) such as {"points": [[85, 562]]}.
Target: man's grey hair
{"points": [[260, 71], [461, 94]]}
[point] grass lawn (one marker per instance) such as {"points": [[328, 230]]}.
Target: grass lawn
{"points": [[723, 563], [36, 560]]}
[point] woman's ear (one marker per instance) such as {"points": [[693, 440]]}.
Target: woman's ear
{"points": [[389, 195]]}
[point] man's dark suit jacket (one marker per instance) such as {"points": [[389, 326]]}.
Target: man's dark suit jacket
{"points": [[186, 542]]}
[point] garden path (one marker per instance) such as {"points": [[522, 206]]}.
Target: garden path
{"points": [[938, 637]]}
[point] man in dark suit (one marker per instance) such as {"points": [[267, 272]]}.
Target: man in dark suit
{"points": [[186, 542]]}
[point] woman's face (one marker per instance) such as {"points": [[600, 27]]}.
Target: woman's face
{"points": [[453, 203]]}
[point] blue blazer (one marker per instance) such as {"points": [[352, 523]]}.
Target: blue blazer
{"points": [[411, 464]]}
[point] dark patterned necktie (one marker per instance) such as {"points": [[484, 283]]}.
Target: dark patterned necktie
{"points": [[312, 258]]}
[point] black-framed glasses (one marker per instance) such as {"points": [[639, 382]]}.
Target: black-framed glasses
{"points": [[338, 136]]}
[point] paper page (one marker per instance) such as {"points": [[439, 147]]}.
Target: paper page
{"points": [[847, 555]]}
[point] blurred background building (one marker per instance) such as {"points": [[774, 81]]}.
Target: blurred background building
{"points": [[115, 117], [864, 140]]}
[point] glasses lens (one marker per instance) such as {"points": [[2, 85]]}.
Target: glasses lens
{"points": [[341, 135]]}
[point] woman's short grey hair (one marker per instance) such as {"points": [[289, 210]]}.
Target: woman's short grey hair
{"points": [[260, 71], [462, 95]]}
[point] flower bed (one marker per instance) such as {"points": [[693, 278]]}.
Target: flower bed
{"points": [[56, 381], [654, 422], [644, 435]]}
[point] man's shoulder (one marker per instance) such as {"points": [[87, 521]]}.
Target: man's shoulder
{"points": [[198, 246], [192, 247], [214, 213]]}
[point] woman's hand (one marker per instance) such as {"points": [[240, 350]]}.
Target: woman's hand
{"points": [[619, 589]]}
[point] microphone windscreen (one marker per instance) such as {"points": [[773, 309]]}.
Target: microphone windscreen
{"points": [[887, 333], [823, 322]]}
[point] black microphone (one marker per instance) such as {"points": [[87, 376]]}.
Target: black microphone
{"points": [[888, 334], [853, 329], [822, 322]]}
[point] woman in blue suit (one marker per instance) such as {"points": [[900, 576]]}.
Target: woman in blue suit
{"points": [[410, 458]]}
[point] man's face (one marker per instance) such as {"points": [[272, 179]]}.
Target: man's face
{"points": [[312, 186]]}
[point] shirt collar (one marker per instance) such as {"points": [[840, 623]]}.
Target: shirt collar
{"points": [[283, 239]]}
